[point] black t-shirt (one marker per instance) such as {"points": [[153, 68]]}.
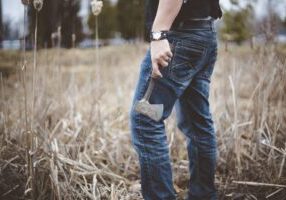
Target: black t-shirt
{"points": [[190, 9]]}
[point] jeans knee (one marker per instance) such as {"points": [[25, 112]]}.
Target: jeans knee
{"points": [[185, 127], [207, 145], [147, 136]]}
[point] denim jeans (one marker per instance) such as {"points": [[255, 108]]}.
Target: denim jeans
{"points": [[185, 86]]}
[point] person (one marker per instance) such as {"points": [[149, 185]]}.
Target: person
{"points": [[181, 59]]}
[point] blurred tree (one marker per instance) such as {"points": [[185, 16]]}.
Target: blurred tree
{"points": [[107, 21], [48, 22], [57, 13], [1, 25], [237, 24], [269, 25], [70, 22], [131, 18], [7, 31]]}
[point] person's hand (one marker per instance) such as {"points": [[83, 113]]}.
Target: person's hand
{"points": [[161, 55]]}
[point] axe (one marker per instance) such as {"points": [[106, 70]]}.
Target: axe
{"points": [[154, 111]]}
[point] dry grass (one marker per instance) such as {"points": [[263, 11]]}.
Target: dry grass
{"points": [[81, 140]]}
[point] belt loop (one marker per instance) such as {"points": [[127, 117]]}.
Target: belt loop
{"points": [[212, 25], [180, 24]]}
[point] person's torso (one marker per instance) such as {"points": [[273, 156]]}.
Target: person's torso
{"points": [[191, 9]]}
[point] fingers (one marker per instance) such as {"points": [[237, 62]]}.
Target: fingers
{"points": [[164, 59], [156, 72], [164, 63], [161, 56], [166, 56], [169, 54]]}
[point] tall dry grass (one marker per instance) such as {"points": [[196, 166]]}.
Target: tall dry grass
{"points": [[81, 136]]}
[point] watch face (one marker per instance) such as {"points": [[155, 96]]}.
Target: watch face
{"points": [[157, 35]]}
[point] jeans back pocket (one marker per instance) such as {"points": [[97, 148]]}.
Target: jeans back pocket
{"points": [[188, 56]]}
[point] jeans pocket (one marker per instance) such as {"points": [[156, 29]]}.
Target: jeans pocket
{"points": [[187, 57]]}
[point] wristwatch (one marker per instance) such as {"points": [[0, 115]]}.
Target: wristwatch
{"points": [[158, 35]]}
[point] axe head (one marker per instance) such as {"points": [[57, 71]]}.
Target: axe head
{"points": [[154, 111]]}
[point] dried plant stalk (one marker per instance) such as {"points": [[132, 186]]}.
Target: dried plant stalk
{"points": [[96, 7], [5, 113], [38, 4]]}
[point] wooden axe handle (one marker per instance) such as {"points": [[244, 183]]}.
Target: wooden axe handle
{"points": [[149, 89]]}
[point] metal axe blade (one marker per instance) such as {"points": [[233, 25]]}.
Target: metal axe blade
{"points": [[154, 111]]}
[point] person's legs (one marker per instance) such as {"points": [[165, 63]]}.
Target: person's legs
{"points": [[149, 139], [195, 121]]}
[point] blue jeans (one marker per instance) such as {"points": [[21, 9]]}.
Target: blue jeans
{"points": [[185, 86]]}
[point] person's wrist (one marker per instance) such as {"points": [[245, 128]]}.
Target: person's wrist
{"points": [[158, 41]]}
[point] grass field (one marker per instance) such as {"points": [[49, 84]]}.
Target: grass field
{"points": [[73, 142]]}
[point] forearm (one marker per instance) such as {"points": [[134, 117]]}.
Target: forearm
{"points": [[166, 14]]}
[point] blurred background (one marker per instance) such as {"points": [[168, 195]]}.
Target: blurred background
{"points": [[64, 122], [123, 21]]}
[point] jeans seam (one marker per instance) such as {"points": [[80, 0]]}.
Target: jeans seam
{"points": [[145, 157], [174, 46], [206, 75]]}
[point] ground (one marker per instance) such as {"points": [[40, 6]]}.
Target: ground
{"points": [[79, 146]]}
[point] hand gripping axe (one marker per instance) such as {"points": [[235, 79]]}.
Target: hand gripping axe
{"points": [[154, 111]]}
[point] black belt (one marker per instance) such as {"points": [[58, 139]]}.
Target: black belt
{"points": [[200, 24]]}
